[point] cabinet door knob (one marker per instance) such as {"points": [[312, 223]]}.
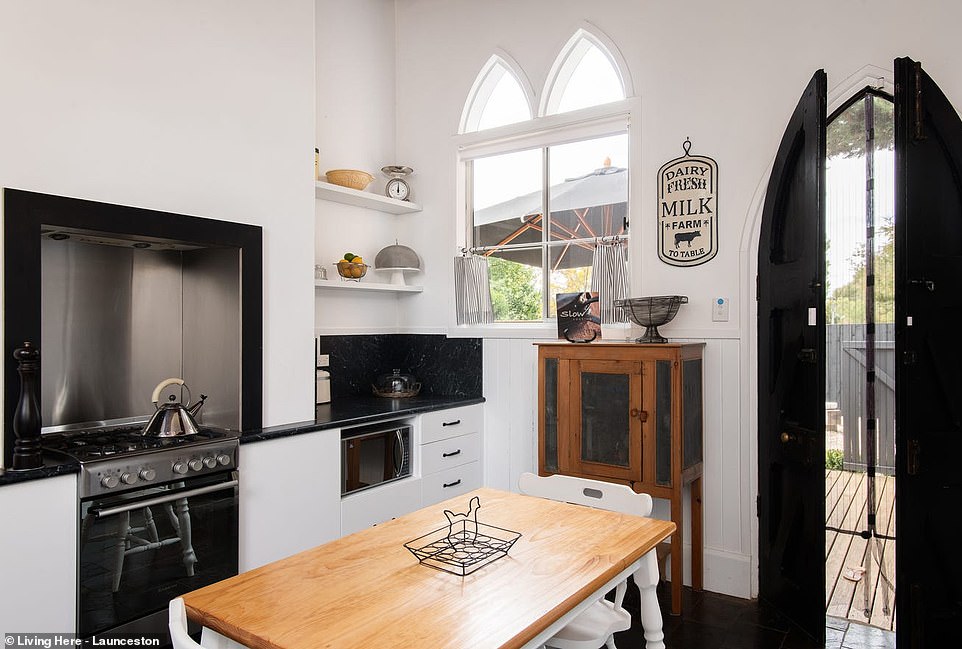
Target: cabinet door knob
{"points": [[640, 414]]}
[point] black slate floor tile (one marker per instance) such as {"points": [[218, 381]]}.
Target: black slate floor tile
{"points": [[714, 621], [750, 636]]}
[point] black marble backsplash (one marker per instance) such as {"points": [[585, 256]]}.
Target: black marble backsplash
{"points": [[446, 367]]}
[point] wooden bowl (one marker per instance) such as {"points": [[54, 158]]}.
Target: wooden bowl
{"points": [[350, 270], [353, 178]]}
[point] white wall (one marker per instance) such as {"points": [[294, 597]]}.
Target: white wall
{"points": [[198, 108], [727, 75], [355, 130]]}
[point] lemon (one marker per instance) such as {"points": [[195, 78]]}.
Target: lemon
{"points": [[357, 260]]}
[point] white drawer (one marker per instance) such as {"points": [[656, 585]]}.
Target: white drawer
{"points": [[368, 508], [451, 452], [442, 424], [450, 483]]}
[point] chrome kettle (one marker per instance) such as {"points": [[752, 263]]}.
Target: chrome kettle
{"points": [[173, 419]]}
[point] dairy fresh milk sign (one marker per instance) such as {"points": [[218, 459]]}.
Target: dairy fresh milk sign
{"points": [[688, 210]]}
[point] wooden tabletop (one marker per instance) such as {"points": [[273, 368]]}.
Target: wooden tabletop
{"points": [[366, 590]]}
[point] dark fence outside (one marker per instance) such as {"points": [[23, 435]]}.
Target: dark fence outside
{"points": [[845, 386]]}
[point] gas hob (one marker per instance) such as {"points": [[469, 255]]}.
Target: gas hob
{"points": [[121, 459]]}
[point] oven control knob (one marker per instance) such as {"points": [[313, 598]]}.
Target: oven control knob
{"points": [[128, 478], [223, 459], [195, 464], [210, 461], [180, 467], [109, 481], [147, 474]]}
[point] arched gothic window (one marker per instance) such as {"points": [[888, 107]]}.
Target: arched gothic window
{"points": [[497, 97], [586, 73]]}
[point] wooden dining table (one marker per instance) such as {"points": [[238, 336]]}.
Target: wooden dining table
{"points": [[368, 591]]}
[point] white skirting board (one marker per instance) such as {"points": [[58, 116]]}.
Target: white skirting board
{"points": [[725, 572]]}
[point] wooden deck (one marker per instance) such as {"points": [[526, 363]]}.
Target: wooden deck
{"points": [[845, 505]]}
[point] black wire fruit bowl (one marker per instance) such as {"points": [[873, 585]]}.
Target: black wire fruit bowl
{"points": [[651, 313]]}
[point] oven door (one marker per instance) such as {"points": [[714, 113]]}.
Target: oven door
{"points": [[371, 459], [140, 549]]}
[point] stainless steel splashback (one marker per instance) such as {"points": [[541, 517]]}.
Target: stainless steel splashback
{"points": [[117, 320]]}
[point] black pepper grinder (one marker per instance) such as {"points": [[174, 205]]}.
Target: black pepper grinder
{"points": [[26, 418]]}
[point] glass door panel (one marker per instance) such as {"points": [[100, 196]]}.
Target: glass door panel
{"points": [[860, 363], [608, 411], [605, 402]]}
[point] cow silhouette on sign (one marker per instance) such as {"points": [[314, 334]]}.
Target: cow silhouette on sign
{"points": [[685, 236]]}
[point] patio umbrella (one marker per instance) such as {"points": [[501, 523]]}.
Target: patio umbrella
{"points": [[593, 205]]}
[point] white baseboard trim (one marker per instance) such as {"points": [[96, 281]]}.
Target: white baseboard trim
{"points": [[729, 573]]}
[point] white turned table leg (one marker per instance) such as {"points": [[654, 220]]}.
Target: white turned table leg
{"points": [[646, 578]]}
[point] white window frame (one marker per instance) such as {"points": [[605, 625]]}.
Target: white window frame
{"points": [[587, 123], [484, 85], [560, 72]]}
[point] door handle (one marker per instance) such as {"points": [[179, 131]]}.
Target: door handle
{"points": [[786, 437], [640, 414], [927, 283]]}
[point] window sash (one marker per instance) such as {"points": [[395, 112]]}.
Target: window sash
{"points": [[542, 133]]}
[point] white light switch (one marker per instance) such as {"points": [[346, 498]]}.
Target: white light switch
{"points": [[719, 309]]}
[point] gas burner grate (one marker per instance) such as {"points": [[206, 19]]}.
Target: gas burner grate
{"points": [[89, 445]]}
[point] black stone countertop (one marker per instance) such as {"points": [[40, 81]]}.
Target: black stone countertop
{"points": [[48, 470], [351, 411], [348, 411]]}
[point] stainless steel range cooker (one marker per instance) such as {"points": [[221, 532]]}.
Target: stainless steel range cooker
{"points": [[157, 518]]}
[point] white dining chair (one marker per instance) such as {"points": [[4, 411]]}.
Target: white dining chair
{"points": [[177, 624], [596, 625], [179, 638]]}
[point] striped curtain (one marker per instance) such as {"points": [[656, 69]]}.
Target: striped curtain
{"points": [[609, 277], [472, 292]]}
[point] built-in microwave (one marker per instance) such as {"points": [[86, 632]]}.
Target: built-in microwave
{"points": [[374, 454]]}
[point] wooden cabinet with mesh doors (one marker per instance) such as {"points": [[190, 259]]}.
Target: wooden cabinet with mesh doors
{"points": [[629, 413]]}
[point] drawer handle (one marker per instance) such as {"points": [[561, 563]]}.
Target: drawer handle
{"points": [[452, 454], [452, 484], [451, 423]]}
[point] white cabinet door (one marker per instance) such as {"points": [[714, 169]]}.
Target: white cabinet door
{"points": [[38, 550], [370, 507], [289, 496]]}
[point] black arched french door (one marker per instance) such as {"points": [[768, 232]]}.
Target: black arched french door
{"points": [[791, 365]]}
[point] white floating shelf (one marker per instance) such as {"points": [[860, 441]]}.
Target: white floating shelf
{"points": [[348, 196], [366, 286]]}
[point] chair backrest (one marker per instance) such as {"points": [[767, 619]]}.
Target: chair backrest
{"points": [[177, 624], [582, 491]]}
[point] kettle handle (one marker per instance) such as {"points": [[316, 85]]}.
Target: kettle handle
{"points": [[155, 397]]}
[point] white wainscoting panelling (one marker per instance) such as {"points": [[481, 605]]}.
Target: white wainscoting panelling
{"points": [[510, 411]]}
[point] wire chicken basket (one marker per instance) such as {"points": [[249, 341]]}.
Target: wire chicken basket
{"points": [[651, 312]]}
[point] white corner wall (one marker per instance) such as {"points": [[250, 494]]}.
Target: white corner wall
{"points": [[204, 109], [355, 130], [727, 75]]}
